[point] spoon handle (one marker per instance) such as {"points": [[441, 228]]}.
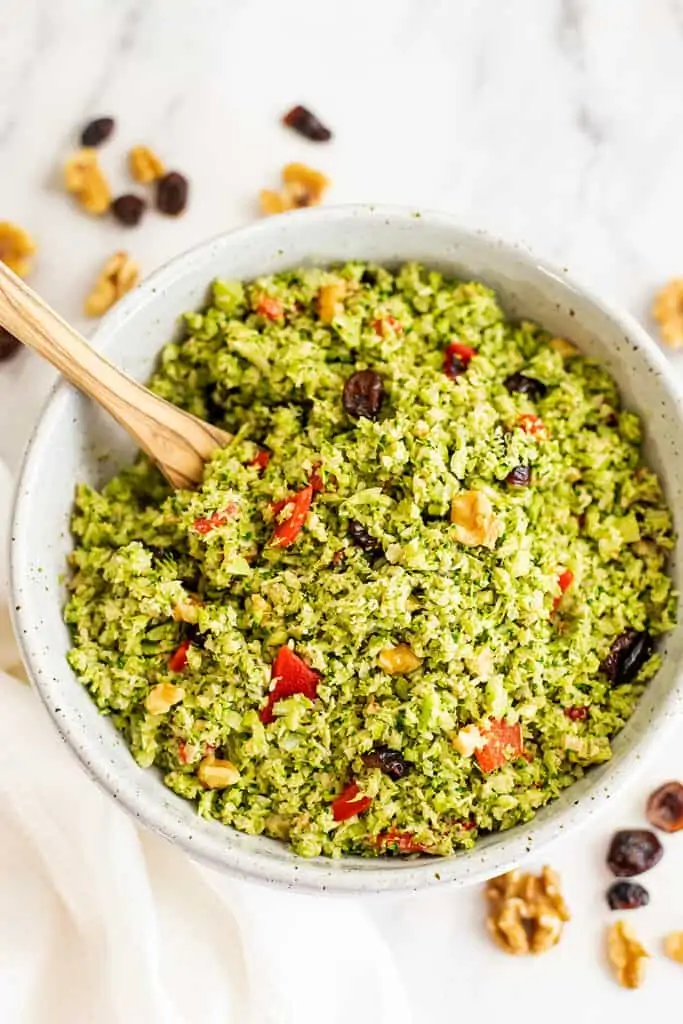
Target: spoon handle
{"points": [[179, 443]]}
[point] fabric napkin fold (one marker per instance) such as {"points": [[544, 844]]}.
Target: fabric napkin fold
{"points": [[103, 923]]}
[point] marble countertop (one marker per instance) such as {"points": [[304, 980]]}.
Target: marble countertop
{"points": [[555, 123]]}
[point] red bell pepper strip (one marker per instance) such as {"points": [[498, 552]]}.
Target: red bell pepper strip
{"points": [[503, 743], [206, 525], [401, 842], [178, 659], [564, 582], [349, 803], [287, 530], [260, 460], [457, 358], [534, 426], [270, 308], [381, 324], [291, 675]]}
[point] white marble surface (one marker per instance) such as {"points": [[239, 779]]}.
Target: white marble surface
{"points": [[553, 122]]}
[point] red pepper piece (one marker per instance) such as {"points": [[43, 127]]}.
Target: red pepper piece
{"points": [[183, 752], [260, 460], [349, 803], [206, 525], [564, 582], [503, 743], [290, 675], [381, 324], [270, 308], [401, 842], [287, 531], [577, 714], [457, 358], [178, 659], [533, 425]]}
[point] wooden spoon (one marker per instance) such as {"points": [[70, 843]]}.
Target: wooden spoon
{"points": [[176, 441]]}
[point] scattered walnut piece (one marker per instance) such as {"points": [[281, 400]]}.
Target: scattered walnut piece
{"points": [[144, 165], [667, 309], [301, 186], [216, 774], [673, 946], [84, 177], [564, 347], [16, 248], [526, 912], [468, 740], [474, 519], [626, 955], [187, 610], [399, 660], [119, 275], [162, 697], [330, 298]]}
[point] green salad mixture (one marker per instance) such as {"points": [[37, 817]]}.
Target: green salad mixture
{"points": [[414, 599]]}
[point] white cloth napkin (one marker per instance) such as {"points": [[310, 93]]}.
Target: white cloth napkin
{"points": [[101, 923]]}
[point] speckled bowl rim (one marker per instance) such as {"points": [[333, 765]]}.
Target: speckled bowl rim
{"points": [[322, 874]]}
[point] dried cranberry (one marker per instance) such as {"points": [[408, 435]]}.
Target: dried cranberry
{"points": [[8, 344], [369, 277], [363, 394], [388, 761], [128, 209], [362, 538], [519, 382], [633, 851], [627, 896], [627, 655], [307, 124], [577, 714], [520, 476], [172, 192], [453, 364], [665, 807], [97, 131]]}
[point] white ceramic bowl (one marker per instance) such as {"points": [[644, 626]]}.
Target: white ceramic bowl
{"points": [[73, 435]]}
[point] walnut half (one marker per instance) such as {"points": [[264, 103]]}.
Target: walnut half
{"points": [[118, 276], [526, 912], [626, 955]]}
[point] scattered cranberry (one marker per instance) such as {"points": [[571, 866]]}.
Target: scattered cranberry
{"points": [[391, 762], [128, 209], [520, 476], [665, 807], [307, 124], [362, 538], [172, 193], [97, 131], [633, 851], [523, 385], [577, 714], [628, 654], [363, 394], [457, 358], [627, 896]]}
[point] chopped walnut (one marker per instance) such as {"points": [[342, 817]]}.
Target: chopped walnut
{"points": [[16, 248], [474, 519], [526, 912], [84, 177], [119, 275], [673, 946], [399, 660], [468, 740], [187, 610], [144, 165], [162, 697], [301, 186], [330, 298], [564, 347], [216, 774], [667, 309], [626, 955]]}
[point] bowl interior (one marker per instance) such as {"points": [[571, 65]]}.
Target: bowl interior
{"points": [[75, 441]]}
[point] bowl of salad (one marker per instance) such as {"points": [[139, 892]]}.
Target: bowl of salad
{"points": [[420, 619]]}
